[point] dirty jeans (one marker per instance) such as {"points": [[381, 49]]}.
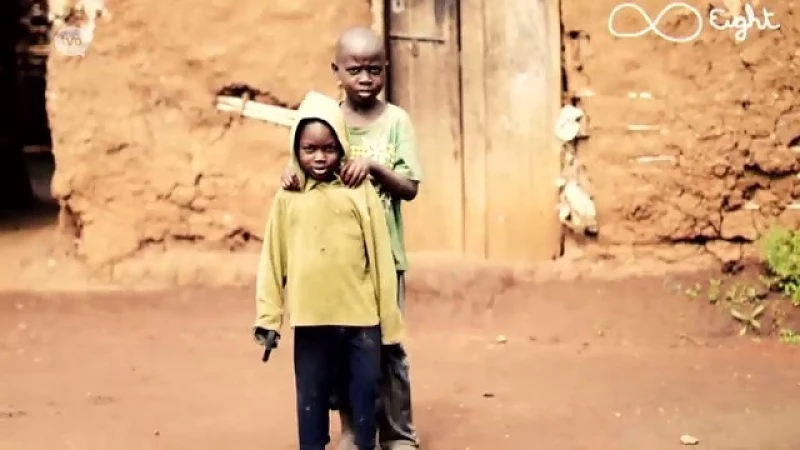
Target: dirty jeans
{"points": [[395, 421], [317, 352]]}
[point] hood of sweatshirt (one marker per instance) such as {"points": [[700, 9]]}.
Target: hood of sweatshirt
{"points": [[317, 106]]}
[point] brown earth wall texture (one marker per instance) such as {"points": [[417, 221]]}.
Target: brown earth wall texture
{"points": [[730, 112], [143, 158], [144, 161]]}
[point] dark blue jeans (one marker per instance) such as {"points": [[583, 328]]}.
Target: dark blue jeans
{"points": [[318, 352], [395, 421]]}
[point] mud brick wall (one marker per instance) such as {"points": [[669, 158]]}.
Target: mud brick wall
{"points": [[728, 115], [143, 158]]}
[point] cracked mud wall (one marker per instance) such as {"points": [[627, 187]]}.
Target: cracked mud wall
{"points": [[723, 123], [144, 160]]}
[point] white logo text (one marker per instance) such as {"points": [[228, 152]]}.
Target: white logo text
{"points": [[72, 41], [717, 19]]}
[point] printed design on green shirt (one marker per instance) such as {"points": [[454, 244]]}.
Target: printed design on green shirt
{"points": [[380, 149]]}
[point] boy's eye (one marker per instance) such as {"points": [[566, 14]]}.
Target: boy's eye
{"points": [[322, 148], [372, 70]]}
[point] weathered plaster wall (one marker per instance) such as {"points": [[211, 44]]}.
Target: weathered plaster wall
{"points": [[727, 112], [143, 158]]}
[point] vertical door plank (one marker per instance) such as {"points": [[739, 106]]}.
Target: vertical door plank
{"points": [[473, 91], [522, 165]]}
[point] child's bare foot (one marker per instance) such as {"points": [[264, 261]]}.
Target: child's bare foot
{"points": [[348, 441]]}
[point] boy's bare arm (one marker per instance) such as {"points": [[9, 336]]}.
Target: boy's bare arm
{"points": [[402, 179], [396, 184]]}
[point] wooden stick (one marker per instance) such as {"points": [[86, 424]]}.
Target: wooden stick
{"points": [[255, 110], [659, 158]]}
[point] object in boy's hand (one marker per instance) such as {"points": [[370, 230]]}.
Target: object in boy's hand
{"points": [[269, 339]]}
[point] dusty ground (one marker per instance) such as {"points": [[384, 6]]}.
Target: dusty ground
{"points": [[587, 364]]}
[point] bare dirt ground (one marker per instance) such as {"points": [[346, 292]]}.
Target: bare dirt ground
{"points": [[627, 364]]}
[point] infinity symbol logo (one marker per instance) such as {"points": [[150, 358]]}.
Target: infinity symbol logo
{"points": [[652, 24]]}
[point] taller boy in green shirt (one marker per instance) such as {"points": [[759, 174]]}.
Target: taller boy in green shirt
{"points": [[383, 146]]}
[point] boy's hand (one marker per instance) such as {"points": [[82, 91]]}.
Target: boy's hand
{"points": [[268, 338], [289, 180], [356, 171]]}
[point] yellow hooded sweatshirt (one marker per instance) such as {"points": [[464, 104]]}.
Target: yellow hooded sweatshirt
{"points": [[327, 255]]}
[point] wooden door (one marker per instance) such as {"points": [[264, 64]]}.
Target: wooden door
{"points": [[424, 79], [511, 53]]}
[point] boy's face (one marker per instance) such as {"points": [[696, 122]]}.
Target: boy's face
{"points": [[362, 75], [318, 151]]}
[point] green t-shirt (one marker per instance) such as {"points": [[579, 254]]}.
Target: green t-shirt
{"points": [[390, 141]]}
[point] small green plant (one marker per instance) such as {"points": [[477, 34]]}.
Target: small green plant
{"points": [[790, 337], [781, 253]]}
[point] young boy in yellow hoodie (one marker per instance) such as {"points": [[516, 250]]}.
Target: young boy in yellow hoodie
{"points": [[327, 259]]}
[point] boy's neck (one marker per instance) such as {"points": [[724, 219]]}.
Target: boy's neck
{"points": [[363, 113], [329, 178]]}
